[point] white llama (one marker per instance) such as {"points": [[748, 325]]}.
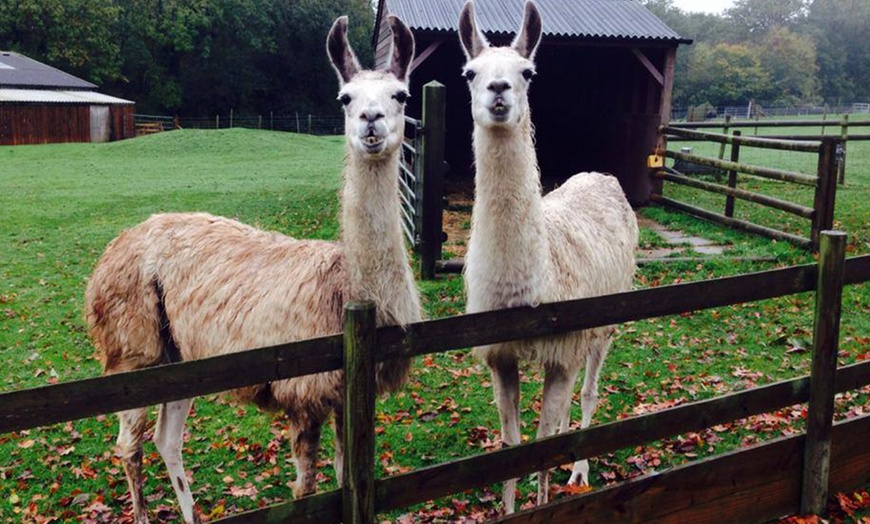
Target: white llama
{"points": [[188, 286], [526, 249]]}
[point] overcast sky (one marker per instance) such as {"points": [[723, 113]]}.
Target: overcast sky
{"points": [[705, 6]]}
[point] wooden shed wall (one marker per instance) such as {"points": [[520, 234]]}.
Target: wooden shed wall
{"points": [[56, 123]]}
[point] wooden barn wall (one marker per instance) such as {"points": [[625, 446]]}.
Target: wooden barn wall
{"points": [[594, 108], [123, 123], [56, 123]]}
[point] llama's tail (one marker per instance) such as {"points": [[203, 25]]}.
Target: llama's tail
{"points": [[124, 309]]}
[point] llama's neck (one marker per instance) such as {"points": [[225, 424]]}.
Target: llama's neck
{"points": [[375, 254], [508, 235]]}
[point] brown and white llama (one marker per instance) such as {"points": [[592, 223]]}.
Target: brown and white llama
{"points": [[188, 286], [577, 241]]}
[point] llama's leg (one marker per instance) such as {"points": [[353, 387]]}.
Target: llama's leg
{"points": [[169, 439], [506, 387], [588, 404], [129, 450], [555, 409], [305, 443], [338, 464]]}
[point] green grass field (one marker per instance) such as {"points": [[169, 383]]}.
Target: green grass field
{"points": [[61, 204]]}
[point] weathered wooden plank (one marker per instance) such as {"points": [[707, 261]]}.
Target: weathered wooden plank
{"points": [[358, 489], [745, 486], [324, 508], [733, 222], [732, 178], [857, 270], [557, 318], [762, 123], [732, 192], [764, 172], [751, 141], [826, 333], [84, 398]]}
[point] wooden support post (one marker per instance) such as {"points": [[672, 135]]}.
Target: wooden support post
{"points": [[431, 185], [844, 137], [826, 190], [826, 332], [732, 176], [725, 129], [358, 491]]}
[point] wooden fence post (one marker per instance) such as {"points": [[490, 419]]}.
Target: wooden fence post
{"points": [[826, 332], [358, 489], [841, 157], [826, 190], [725, 129], [431, 184], [732, 176]]}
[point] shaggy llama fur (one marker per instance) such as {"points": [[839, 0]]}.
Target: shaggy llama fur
{"points": [[577, 241], [188, 286]]}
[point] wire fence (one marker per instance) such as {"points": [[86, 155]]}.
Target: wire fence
{"points": [[760, 109], [295, 123]]}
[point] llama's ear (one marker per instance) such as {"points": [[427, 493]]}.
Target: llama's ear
{"points": [[473, 42], [340, 53], [526, 42], [403, 48]]}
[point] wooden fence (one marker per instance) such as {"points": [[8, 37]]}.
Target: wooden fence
{"points": [[821, 215], [749, 485], [421, 179], [844, 125]]}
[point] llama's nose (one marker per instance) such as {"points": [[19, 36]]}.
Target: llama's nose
{"points": [[371, 115], [499, 86]]}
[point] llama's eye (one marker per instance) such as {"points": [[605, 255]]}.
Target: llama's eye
{"points": [[469, 75], [344, 99], [401, 96], [528, 73]]}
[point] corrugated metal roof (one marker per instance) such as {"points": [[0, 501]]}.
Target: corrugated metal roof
{"points": [[46, 96], [591, 19], [20, 71]]}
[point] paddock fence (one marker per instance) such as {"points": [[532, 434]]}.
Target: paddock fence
{"points": [[756, 484], [824, 181]]}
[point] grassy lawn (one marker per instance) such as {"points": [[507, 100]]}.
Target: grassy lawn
{"points": [[61, 204]]}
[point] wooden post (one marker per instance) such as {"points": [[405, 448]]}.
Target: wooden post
{"points": [[844, 137], [358, 491], [826, 190], [231, 118], [725, 129], [732, 176], [826, 331], [431, 184]]}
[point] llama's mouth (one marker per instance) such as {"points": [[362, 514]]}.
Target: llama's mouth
{"points": [[499, 110], [373, 143]]}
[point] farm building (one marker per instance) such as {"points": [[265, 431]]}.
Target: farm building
{"points": [[605, 74], [40, 104]]}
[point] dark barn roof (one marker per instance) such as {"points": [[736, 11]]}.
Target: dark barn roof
{"points": [[21, 72], [585, 19]]}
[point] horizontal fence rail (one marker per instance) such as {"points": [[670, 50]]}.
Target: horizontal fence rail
{"points": [[67, 401]]}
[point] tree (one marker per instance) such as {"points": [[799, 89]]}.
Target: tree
{"points": [[840, 30], [76, 36], [791, 61], [752, 19], [726, 74]]}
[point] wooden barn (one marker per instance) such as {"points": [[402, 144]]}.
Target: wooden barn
{"points": [[605, 74], [40, 104]]}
